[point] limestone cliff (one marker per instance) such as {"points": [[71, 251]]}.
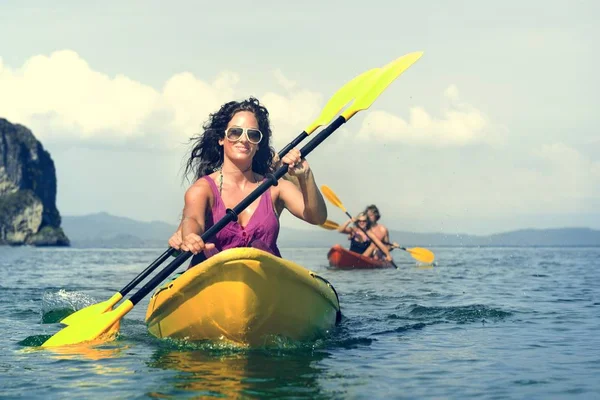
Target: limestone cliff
{"points": [[28, 213]]}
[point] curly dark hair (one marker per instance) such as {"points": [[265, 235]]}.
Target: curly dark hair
{"points": [[207, 155]]}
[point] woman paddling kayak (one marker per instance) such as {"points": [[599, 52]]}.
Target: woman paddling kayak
{"points": [[229, 160], [237, 288], [359, 241]]}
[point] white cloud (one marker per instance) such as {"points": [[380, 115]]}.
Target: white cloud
{"points": [[61, 96], [68, 97], [283, 81], [292, 113], [562, 155], [570, 172], [460, 124], [191, 100]]}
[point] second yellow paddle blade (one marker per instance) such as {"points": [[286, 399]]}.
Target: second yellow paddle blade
{"points": [[332, 197], [92, 311], [386, 76], [103, 326], [341, 98], [328, 224], [421, 254]]}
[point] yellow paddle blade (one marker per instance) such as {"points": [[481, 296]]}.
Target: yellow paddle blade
{"points": [[332, 197], [383, 79], [341, 98], [103, 327], [330, 225], [421, 254], [92, 311]]}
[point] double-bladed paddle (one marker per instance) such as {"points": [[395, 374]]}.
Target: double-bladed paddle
{"points": [[418, 253]]}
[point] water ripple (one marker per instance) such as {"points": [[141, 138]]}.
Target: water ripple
{"points": [[406, 333]]}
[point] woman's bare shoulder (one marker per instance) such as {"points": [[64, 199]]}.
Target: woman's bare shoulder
{"points": [[199, 188]]}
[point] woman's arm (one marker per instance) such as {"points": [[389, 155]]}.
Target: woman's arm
{"points": [[192, 222], [305, 201], [344, 228]]}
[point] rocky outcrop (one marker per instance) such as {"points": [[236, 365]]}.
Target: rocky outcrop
{"points": [[28, 213]]}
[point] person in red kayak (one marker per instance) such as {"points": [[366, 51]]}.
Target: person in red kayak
{"points": [[380, 232], [229, 160], [362, 238]]}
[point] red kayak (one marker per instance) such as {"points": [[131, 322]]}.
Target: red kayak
{"points": [[342, 258]]}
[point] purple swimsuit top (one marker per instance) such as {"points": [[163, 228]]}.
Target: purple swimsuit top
{"points": [[261, 231]]}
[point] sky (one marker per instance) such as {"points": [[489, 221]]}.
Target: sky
{"points": [[493, 129]]}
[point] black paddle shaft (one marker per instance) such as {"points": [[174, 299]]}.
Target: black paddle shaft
{"points": [[161, 259], [292, 144], [231, 214]]}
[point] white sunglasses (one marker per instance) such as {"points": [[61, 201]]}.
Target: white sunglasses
{"points": [[235, 133]]}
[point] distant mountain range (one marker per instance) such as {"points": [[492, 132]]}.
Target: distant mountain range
{"points": [[109, 231], [522, 237]]}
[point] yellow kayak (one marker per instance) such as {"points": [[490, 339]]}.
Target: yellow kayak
{"points": [[246, 296]]}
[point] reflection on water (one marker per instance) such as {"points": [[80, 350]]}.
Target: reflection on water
{"points": [[256, 373], [83, 351], [87, 352]]}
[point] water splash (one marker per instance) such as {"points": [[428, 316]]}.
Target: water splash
{"points": [[276, 344], [57, 305], [271, 343]]}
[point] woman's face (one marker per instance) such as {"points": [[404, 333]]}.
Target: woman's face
{"points": [[241, 149], [361, 222]]}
